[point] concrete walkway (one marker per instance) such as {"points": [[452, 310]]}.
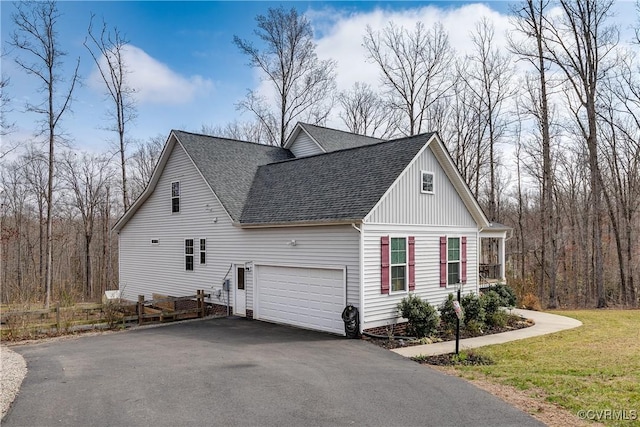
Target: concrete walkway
{"points": [[545, 323]]}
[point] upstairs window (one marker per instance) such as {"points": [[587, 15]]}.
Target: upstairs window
{"points": [[203, 251], [427, 182], [175, 196], [188, 254]]}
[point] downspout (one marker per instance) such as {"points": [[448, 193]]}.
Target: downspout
{"points": [[361, 271]]}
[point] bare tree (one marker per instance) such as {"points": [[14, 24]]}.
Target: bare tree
{"points": [[252, 131], [303, 83], [87, 178], [108, 50], [415, 67], [488, 75], [364, 112], [143, 162], [529, 22], [579, 42], [36, 36]]}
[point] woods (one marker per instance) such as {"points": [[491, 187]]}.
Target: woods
{"points": [[545, 130]]}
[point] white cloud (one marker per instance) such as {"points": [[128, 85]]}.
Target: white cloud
{"points": [[154, 82], [342, 36]]}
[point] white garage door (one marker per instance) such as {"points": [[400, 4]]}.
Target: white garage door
{"points": [[311, 298]]}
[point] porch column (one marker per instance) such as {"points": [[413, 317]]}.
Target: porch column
{"points": [[501, 258]]}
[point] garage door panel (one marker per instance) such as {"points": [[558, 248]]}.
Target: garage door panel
{"points": [[307, 297]]}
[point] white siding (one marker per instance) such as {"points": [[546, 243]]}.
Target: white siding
{"points": [[380, 309], [406, 204], [145, 269], [304, 146]]}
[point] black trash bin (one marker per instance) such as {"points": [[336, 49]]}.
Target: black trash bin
{"points": [[351, 319]]}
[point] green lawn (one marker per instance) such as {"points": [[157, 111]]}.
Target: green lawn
{"points": [[594, 367]]}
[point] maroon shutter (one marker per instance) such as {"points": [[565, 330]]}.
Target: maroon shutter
{"points": [[412, 263], [384, 255], [443, 262], [463, 259]]}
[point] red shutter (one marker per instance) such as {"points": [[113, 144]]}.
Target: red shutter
{"points": [[463, 259], [384, 256], [412, 263], [443, 262]]}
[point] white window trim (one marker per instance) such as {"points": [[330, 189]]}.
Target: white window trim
{"points": [[192, 254], [406, 266], [176, 197], [433, 182], [202, 251], [459, 261]]}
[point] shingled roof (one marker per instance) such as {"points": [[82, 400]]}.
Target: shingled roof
{"points": [[334, 140], [338, 186], [228, 165]]}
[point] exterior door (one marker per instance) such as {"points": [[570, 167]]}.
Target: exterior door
{"points": [[240, 296]]}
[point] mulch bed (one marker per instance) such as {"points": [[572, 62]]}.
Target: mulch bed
{"points": [[514, 322]]}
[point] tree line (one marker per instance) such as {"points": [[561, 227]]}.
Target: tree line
{"points": [[545, 131]]}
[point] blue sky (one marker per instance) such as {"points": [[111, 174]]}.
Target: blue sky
{"points": [[189, 73]]}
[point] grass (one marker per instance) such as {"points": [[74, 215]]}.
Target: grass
{"points": [[595, 367]]}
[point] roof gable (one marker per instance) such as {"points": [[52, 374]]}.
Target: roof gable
{"points": [[329, 140], [338, 186]]}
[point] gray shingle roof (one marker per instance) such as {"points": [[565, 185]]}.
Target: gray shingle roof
{"points": [[228, 165], [342, 185], [334, 140]]}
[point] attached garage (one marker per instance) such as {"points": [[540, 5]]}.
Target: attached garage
{"points": [[311, 298]]}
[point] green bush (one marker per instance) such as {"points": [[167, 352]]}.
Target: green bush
{"points": [[491, 302], [448, 314], [506, 294], [498, 319], [422, 317], [473, 309]]}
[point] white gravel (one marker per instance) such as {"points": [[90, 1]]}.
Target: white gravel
{"points": [[13, 369]]}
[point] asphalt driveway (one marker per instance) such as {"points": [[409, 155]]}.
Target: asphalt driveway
{"points": [[224, 372]]}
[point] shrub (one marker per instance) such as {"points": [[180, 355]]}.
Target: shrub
{"points": [[531, 302], [498, 319], [506, 294], [474, 327], [422, 317], [491, 302], [473, 309], [448, 314]]}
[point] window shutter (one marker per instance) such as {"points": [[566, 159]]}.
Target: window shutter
{"points": [[412, 263], [443, 261], [384, 256], [463, 259]]}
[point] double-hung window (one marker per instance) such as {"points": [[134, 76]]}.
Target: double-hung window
{"points": [[453, 261], [398, 264], [203, 251], [188, 254], [426, 182], [175, 197]]}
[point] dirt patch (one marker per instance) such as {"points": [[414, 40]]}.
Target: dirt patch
{"points": [[531, 401]]}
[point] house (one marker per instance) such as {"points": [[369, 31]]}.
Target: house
{"points": [[330, 219]]}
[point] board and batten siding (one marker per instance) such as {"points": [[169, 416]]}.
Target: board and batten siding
{"points": [[404, 203], [304, 146], [381, 309], [147, 269]]}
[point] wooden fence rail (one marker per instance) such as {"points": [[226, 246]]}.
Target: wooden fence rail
{"points": [[18, 323]]}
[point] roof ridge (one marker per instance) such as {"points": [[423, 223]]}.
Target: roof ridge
{"points": [[343, 131], [227, 139], [382, 141]]}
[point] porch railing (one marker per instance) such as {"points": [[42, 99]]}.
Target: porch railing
{"points": [[490, 271]]}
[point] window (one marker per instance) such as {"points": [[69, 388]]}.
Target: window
{"points": [[188, 254], [155, 242], [175, 196], [398, 264], [427, 182], [203, 251], [453, 260]]}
